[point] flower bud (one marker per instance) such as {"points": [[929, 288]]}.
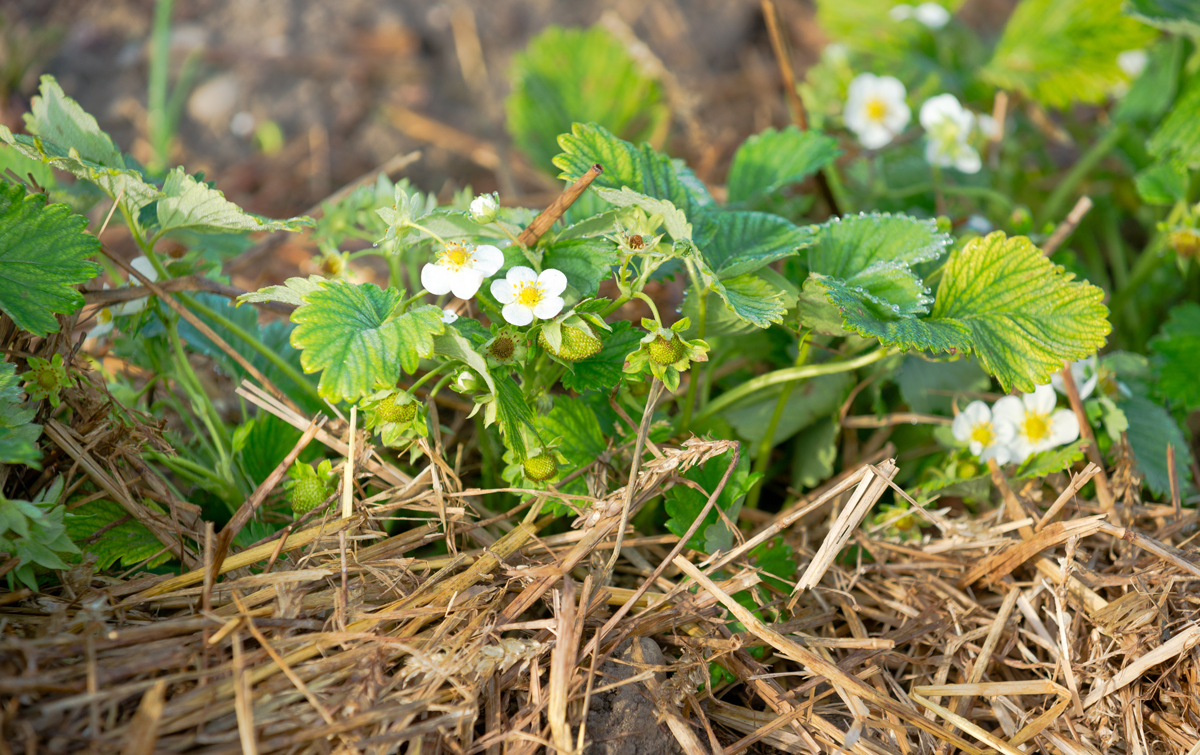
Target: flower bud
{"points": [[484, 208]]}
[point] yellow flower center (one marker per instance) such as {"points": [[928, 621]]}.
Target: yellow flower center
{"points": [[455, 256], [1037, 427], [105, 316], [876, 109], [529, 295], [983, 433]]}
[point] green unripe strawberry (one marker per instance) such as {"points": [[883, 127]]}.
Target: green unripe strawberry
{"points": [[538, 468], [666, 352], [307, 493], [390, 411], [576, 344]]}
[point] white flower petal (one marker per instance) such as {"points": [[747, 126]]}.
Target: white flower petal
{"points": [[937, 109], [967, 160], [890, 89], [1042, 400], [449, 316], [1009, 409], [465, 283], [1132, 62], [874, 136], [1001, 453], [978, 412], [517, 314], [961, 427], [898, 116], [144, 266], [436, 279], [901, 12], [553, 282], [488, 259], [101, 329], [1006, 432], [932, 15], [503, 291], [975, 447], [521, 274], [1064, 428], [548, 307]]}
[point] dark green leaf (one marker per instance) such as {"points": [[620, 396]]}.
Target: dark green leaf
{"points": [[1178, 136], [1163, 183], [512, 413], [746, 241], [585, 262], [809, 401], [1151, 428], [43, 255], [684, 504], [603, 370], [815, 452], [129, 542], [1175, 16], [1177, 356], [773, 159], [928, 386]]}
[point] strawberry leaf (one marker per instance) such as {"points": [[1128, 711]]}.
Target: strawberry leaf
{"points": [[768, 161], [188, 203]]}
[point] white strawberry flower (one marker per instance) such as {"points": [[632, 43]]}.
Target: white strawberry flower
{"points": [[931, 14], [449, 316], [1086, 376], [1039, 425], [947, 127], [484, 208], [1132, 62], [132, 307], [104, 323], [875, 109], [985, 436], [527, 295], [461, 269]]}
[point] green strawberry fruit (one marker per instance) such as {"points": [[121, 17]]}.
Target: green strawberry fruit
{"points": [[540, 468], [390, 411], [576, 344], [666, 352], [307, 494]]}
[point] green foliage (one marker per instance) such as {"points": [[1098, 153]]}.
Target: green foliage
{"points": [[569, 75], [355, 335], [811, 400], [43, 254], [18, 433], [602, 371], [747, 241], [1064, 51], [46, 379], [1047, 462], [1175, 16], [774, 558], [768, 161], [684, 504], [105, 530], [867, 25], [1151, 429], [748, 296], [34, 532], [926, 386], [1177, 356], [1163, 183], [513, 414], [1178, 136], [585, 262], [189, 203], [814, 454]]}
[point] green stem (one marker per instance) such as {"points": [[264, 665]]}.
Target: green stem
{"points": [[269, 354], [395, 275], [789, 374], [156, 98], [425, 378], [689, 401], [405, 304], [620, 302], [195, 389], [1052, 210], [650, 303], [428, 232], [762, 458], [1147, 263], [439, 385]]}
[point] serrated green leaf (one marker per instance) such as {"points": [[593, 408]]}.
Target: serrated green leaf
{"points": [[860, 313], [815, 452], [566, 76], [1151, 429], [291, 292], [743, 242], [928, 386], [844, 247], [453, 345], [1178, 136], [1175, 16], [640, 168], [576, 424], [603, 370], [1163, 183], [1047, 462], [585, 262], [188, 203], [130, 542], [1154, 90], [63, 135], [749, 297], [352, 333], [1025, 315], [774, 557], [773, 159], [1177, 356], [808, 402], [512, 413], [472, 330], [1064, 51], [674, 220], [43, 254], [684, 504]]}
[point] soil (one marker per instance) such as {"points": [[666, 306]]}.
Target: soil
{"points": [[623, 721]]}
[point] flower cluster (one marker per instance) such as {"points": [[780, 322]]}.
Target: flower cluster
{"points": [[1016, 427]]}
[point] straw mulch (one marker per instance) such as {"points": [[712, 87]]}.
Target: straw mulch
{"points": [[1044, 624]]}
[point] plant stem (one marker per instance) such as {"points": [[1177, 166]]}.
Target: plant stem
{"points": [[275, 359], [191, 383], [156, 98], [620, 302], [762, 458], [424, 378], [653, 308], [1058, 198], [395, 274], [789, 374], [428, 232], [689, 401], [404, 304]]}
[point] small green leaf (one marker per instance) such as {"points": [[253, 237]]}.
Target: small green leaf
{"points": [[1174, 16], [602, 371], [352, 333], [585, 262], [1163, 183], [773, 159], [1177, 356], [1178, 136], [674, 220], [774, 557], [1043, 463], [1064, 51], [1151, 429], [744, 242], [129, 542], [1154, 90], [928, 386], [751, 298], [569, 75], [188, 203], [513, 413], [816, 450], [453, 345], [640, 168], [43, 254], [684, 504]]}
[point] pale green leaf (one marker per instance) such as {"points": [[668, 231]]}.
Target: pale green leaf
{"points": [[1026, 316], [1177, 356], [743, 242], [566, 76], [352, 333], [1047, 462], [1175, 16], [188, 203], [773, 159], [1163, 183], [513, 413], [640, 168], [674, 220], [844, 247], [454, 345], [1064, 51], [128, 542], [291, 292], [1178, 136], [867, 24], [43, 255], [1151, 429]]}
